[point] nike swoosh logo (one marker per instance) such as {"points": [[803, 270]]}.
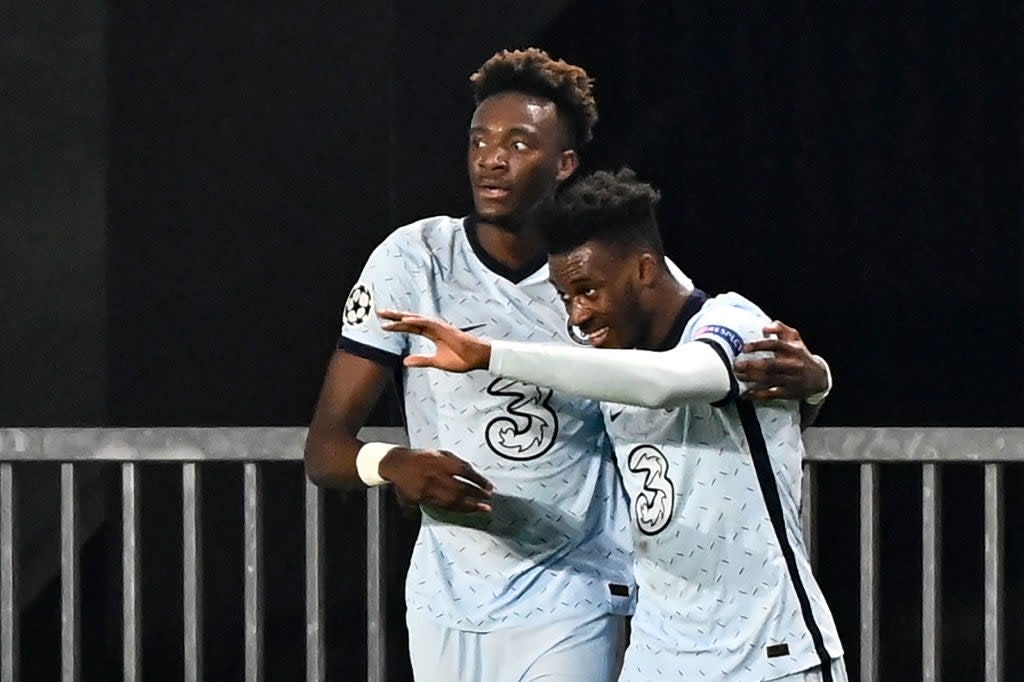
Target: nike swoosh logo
{"points": [[472, 327], [615, 415]]}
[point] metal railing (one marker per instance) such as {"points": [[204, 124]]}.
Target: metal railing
{"points": [[193, 447], [871, 447]]}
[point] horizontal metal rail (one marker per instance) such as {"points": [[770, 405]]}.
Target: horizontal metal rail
{"points": [[285, 443], [173, 444]]}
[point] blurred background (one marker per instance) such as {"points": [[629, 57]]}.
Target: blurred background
{"points": [[189, 190]]}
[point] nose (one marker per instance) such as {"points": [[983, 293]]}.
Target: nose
{"points": [[579, 312], [491, 157]]}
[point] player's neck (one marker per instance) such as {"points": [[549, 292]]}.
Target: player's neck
{"points": [[513, 248], [667, 299]]}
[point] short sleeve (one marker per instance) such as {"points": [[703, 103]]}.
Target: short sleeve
{"points": [[726, 328], [385, 283]]}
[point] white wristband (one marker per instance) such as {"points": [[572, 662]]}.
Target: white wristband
{"points": [[817, 398], [368, 462]]}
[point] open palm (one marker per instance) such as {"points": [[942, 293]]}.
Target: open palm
{"points": [[456, 350]]}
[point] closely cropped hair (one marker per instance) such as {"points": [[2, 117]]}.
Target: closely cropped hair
{"points": [[533, 72], [614, 208]]}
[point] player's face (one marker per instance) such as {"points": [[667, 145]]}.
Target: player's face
{"points": [[598, 285], [516, 156]]}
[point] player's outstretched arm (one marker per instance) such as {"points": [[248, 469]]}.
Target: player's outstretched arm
{"points": [[333, 450], [632, 377], [792, 372]]}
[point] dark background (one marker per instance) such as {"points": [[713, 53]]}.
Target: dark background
{"points": [[190, 189]]}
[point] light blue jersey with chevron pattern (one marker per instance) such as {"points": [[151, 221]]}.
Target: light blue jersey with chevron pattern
{"points": [[724, 583], [558, 539]]}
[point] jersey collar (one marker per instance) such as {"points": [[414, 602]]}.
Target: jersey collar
{"points": [[694, 302], [515, 276]]}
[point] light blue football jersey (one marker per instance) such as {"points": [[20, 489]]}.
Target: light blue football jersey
{"points": [[725, 590], [558, 540]]}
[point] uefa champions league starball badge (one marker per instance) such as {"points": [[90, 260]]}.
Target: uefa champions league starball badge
{"points": [[358, 306]]}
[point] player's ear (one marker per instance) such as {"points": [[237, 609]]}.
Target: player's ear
{"points": [[647, 269], [568, 162]]}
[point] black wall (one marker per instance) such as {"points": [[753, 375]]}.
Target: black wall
{"points": [[857, 172], [854, 169], [250, 171], [53, 162]]}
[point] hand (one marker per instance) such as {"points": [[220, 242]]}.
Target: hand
{"points": [[792, 373], [408, 508], [456, 351], [436, 478]]}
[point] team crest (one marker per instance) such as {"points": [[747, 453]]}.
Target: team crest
{"points": [[359, 305], [575, 333]]}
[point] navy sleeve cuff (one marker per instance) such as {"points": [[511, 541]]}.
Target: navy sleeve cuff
{"points": [[382, 357]]}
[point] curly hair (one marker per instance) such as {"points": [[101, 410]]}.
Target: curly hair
{"points": [[614, 208], [533, 72]]}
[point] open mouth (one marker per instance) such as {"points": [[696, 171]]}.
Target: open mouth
{"points": [[598, 337], [492, 191]]}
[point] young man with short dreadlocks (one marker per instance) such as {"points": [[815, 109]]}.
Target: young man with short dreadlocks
{"points": [[522, 569]]}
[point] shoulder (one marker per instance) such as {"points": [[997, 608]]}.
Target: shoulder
{"points": [[426, 233], [731, 318], [421, 241], [731, 307]]}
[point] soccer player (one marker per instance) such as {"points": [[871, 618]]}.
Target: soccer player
{"points": [[522, 569], [725, 587]]}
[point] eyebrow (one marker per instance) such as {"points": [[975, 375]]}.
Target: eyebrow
{"points": [[521, 130], [575, 280]]}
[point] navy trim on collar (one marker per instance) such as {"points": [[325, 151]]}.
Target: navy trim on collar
{"points": [[515, 276], [694, 302]]}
